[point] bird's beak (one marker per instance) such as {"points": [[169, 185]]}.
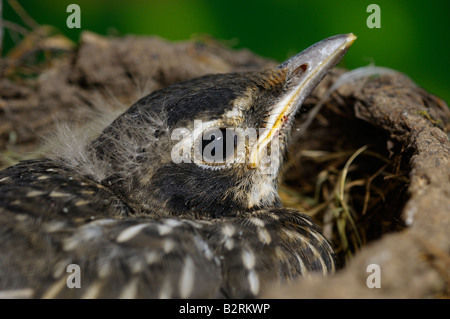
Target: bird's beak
{"points": [[303, 73]]}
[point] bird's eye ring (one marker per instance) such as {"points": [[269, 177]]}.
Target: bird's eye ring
{"points": [[218, 146]]}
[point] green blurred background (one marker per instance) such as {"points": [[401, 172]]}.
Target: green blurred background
{"points": [[413, 38]]}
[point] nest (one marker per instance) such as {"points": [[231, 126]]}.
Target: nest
{"points": [[370, 161]]}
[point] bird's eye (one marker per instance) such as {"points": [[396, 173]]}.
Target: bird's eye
{"points": [[218, 146]]}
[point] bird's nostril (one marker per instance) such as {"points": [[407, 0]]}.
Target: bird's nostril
{"points": [[300, 70]]}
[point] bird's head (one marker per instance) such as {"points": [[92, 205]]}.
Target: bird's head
{"points": [[213, 145]]}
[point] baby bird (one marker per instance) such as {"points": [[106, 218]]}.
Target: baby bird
{"points": [[176, 198]]}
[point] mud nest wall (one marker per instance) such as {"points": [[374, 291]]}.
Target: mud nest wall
{"points": [[370, 162]]}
